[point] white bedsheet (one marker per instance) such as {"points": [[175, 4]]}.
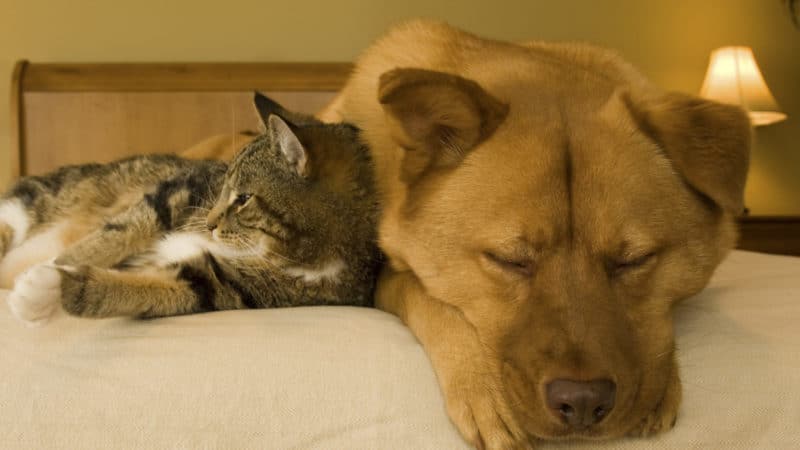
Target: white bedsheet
{"points": [[353, 378]]}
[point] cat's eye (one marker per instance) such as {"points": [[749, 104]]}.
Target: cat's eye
{"points": [[516, 265], [241, 199]]}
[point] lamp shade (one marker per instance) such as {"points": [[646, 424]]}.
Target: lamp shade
{"points": [[733, 77]]}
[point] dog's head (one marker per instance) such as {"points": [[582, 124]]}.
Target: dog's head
{"points": [[564, 218]]}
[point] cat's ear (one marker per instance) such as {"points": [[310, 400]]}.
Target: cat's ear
{"points": [[289, 144], [266, 107]]}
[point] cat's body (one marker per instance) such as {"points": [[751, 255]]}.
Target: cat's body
{"points": [[291, 221]]}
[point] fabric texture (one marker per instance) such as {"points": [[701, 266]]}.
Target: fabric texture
{"points": [[355, 378]]}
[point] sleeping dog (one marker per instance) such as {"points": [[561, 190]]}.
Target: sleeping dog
{"points": [[544, 207]]}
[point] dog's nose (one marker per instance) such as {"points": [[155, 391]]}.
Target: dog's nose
{"points": [[580, 404]]}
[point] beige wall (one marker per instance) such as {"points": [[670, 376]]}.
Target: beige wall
{"points": [[668, 39]]}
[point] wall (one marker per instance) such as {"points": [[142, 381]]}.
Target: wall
{"points": [[668, 39]]}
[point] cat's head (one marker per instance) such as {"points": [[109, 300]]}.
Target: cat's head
{"points": [[302, 192]]}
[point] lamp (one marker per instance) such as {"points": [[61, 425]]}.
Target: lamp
{"points": [[733, 77]]}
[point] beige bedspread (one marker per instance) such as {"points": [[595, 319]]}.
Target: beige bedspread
{"points": [[351, 378]]}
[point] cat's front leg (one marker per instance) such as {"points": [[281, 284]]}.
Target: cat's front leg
{"points": [[83, 291], [95, 292]]}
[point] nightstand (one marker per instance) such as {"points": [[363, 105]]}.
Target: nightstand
{"points": [[770, 234]]}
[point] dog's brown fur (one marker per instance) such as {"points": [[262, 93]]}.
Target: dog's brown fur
{"points": [[544, 207]]}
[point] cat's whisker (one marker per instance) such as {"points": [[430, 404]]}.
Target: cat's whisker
{"points": [[262, 253], [257, 254], [199, 208], [285, 258], [193, 225], [194, 221], [209, 198], [258, 264]]}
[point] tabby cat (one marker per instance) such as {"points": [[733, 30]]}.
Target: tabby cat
{"points": [[290, 221]]}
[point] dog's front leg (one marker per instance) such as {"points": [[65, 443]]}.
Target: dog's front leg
{"points": [[471, 388]]}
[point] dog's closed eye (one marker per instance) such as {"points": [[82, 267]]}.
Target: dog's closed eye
{"points": [[514, 264], [629, 263]]}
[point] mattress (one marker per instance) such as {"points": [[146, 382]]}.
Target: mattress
{"points": [[355, 378]]}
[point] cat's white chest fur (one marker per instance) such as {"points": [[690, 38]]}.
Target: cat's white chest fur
{"points": [[329, 271]]}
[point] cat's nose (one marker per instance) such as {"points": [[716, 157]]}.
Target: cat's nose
{"points": [[212, 219]]}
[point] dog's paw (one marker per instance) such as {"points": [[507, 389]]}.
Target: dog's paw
{"points": [[477, 407], [664, 416], [479, 422], [36, 294], [654, 423]]}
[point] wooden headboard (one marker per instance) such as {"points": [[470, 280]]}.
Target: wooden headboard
{"points": [[76, 113]]}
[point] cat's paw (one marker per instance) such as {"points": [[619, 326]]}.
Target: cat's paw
{"points": [[36, 294]]}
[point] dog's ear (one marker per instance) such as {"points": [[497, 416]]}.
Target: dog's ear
{"points": [[436, 117], [707, 142]]}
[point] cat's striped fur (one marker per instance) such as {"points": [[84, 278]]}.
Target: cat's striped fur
{"points": [[290, 221]]}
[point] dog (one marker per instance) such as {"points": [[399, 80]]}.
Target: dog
{"points": [[544, 207]]}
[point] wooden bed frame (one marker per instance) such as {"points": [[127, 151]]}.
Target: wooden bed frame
{"points": [[75, 113]]}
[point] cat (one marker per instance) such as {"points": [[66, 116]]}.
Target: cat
{"points": [[290, 221]]}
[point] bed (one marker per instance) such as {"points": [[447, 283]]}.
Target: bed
{"points": [[316, 377]]}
